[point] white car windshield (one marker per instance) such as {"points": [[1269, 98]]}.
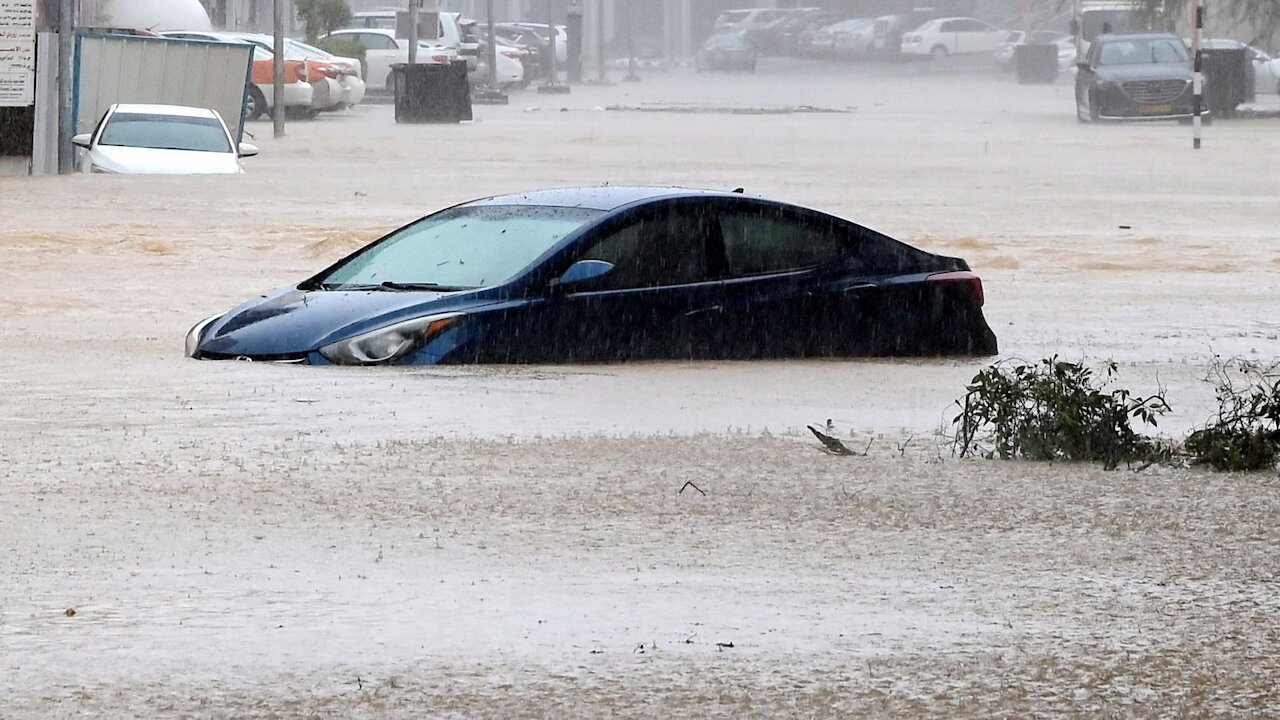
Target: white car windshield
{"points": [[461, 248], [165, 132]]}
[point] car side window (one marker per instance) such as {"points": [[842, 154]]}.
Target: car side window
{"points": [[668, 248], [950, 26], [758, 241], [381, 42]]}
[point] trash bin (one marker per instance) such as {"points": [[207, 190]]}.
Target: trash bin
{"points": [[1228, 79], [1036, 63], [432, 93]]}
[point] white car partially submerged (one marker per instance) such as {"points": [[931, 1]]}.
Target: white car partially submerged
{"points": [[161, 139]]}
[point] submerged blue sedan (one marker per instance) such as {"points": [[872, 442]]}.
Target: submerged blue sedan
{"points": [[606, 274]]}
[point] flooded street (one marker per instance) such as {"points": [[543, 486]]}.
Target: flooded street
{"points": [[250, 539]]}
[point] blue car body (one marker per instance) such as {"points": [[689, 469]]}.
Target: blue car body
{"points": [[870, 295]]}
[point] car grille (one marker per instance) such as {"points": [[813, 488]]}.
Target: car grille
{"points": [[1150, 92]]}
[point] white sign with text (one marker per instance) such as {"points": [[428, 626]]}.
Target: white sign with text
{"points": [[17, 52]]}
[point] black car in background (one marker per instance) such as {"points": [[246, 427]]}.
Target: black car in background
{"points": [[1134, 76], [727, 51]]}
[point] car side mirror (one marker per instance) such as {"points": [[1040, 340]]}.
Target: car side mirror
{"points": [[248, 149], [83, 140], [581, 272]]}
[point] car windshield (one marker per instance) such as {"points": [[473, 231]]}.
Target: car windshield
{"points": [[165, 132], [460, 248], [1138, 51]]}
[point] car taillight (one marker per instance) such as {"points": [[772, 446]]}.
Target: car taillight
{"points": [[332, 72], [963, 277], [302, 73], [440, 59]]}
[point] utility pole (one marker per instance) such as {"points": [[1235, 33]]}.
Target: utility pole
{"points": [[66, 46], [493, 47], [603, 71], [1197, 78], [277, 92], [631, 75], [413, 31]]}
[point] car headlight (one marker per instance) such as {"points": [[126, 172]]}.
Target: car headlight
{"points": [[193, 335], [388, 343]]}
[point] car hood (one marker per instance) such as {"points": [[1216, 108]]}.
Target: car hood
{"points": [[295, 322], [121, 159], [1145, 71]]}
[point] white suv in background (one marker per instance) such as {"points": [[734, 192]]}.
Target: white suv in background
{"points": [[952, 36]]}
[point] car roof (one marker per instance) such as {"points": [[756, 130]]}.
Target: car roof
{"points": [[600, 197], [377, 31], [152, 109]]}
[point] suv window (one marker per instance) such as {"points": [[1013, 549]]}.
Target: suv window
{"points": [[768, 240], [664, 249]]}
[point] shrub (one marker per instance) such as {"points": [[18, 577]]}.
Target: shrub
{"points": [[1055, 410], [1245, 434], [322, 16]]}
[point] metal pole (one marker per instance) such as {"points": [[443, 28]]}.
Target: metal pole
{"points": [[603, 72], [631, 49], [1197, 79], [551, 32], [413, 31], [277, 92], [493, 47], [66, 46]]}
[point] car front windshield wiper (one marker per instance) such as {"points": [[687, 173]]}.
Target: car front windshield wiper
{"points": [[386, 285], [436, 287]]}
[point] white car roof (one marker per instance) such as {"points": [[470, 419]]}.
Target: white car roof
{"points": [[376, 31], [150, 109]]}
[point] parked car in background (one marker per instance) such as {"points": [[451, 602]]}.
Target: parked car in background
{"points": [[816, 41], [510, 58], [299, 95], [161, 139], [562, 38], [351, 69], [1004, 54], [609, 274], [754, 22], [383, 49], [951, 36], [853, 39], [1139, 76], [727, 51], [335, 83], [790, 30], [537, 49], [888, 30], [769, 39]]}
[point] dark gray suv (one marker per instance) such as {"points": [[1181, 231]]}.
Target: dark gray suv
{"points": [[1138, 76]]}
